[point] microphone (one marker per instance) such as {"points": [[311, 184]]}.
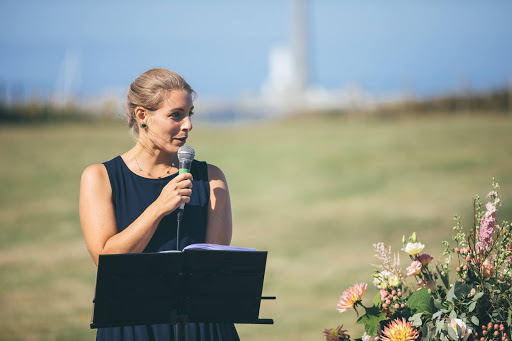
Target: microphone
{"points": [[185, 156]]}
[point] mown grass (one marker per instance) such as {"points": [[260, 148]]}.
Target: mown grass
{"points": [[316, 192]]}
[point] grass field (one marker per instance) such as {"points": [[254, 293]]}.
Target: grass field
{"points": [[316, 192]]}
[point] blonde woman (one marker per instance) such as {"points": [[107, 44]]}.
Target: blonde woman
{"points": [[129, 204]]}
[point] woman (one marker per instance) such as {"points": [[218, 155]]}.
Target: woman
{"points": [[129, 204]]}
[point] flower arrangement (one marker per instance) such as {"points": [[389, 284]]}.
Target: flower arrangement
{"points": [[422, 303]]}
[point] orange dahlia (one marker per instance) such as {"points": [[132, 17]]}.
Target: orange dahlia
{"points": [[399, 330], [351, 296]]}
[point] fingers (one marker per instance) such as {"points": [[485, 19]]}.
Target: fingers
{"points": [[182, 177]]}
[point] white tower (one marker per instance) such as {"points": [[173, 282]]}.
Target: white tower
{"points": [[299, 44]]}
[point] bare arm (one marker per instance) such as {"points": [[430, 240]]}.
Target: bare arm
{"points": [[98, 219], [220, 224]]}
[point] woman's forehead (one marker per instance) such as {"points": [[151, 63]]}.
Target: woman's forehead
{"points": [[178, 99]]}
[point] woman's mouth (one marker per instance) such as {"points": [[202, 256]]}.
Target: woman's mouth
{"points": [[182, 140]]}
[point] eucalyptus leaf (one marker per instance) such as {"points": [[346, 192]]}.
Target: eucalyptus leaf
{"points": [[436, 315], [424, 330], [452, 333], [453, 314], [439, 326], [451, 294], [462, 289], [417, 322], [459, 330], [477, 296], [475, 320], [472, 306]]}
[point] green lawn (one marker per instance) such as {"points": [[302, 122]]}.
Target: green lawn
{"points": [[316, 192]]}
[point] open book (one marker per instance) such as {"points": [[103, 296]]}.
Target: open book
{"points": [[216, 247]]}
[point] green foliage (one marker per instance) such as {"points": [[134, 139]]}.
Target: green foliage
{"points": [[421, 301], [371, 320]]}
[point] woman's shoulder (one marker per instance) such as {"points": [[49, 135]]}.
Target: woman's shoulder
{"points": [[94, 173], [215, 173]]}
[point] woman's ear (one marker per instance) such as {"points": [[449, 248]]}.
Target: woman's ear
{"points": [[141, 115]]}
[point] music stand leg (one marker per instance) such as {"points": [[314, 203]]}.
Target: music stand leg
{"points": [[180, 331]]}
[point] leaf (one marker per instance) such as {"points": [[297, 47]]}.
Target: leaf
{"points": [[438, 304], [477, 296], [439, 326], [475, 320], [459, 329], [420, 301], [472, 306], [451, 294], [436, 315], [452, 333], [509, 319], [453, 314], [416, 319], [425, 332], [462, 289], [376, 300], [371, 320]]}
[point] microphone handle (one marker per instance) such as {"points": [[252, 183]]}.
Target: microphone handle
{"points": [[184, 168]]}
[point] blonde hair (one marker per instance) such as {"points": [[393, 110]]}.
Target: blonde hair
{"points": [[149, 91]]}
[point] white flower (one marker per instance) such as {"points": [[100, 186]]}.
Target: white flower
{"points": [[367, 337], [465, 330], [394, 281], [381, 279], [413, 248]]}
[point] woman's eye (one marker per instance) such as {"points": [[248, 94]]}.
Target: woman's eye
{"points": [[191, 113], [175, 115]]}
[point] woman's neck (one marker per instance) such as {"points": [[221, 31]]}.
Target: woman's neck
{"points": [[150, 162]]}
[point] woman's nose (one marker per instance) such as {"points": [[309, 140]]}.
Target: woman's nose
{"points": [[186, 124]]}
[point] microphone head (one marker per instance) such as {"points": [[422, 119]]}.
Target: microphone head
{"points": [[186, 153]]}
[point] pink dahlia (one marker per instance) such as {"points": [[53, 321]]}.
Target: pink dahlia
{"points": [[351, 296]]}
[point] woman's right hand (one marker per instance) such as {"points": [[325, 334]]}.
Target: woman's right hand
{"points": [[175, 193]]}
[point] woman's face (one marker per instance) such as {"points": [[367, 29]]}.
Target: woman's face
{"points": [[169, 126]]}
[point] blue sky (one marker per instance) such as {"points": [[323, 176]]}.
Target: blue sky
{"points": [[221, 47]]}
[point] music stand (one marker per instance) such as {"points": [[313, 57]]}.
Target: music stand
{"points": [[178, 288]]}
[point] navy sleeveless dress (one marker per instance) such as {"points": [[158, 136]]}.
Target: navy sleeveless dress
{"points": [[131, 195]]}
